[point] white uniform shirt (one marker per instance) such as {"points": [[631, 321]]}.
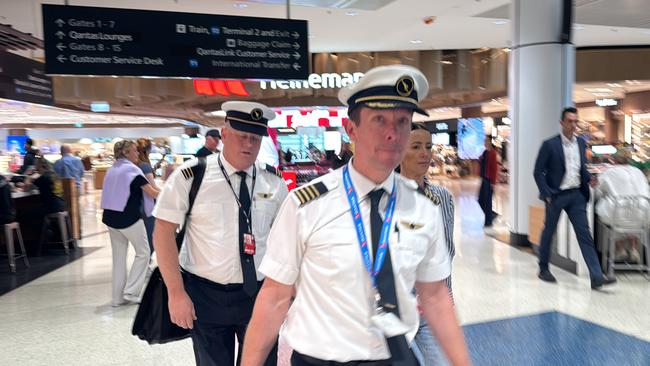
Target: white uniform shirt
{"points": [[571, 162], [211, 246], [315, 248]]}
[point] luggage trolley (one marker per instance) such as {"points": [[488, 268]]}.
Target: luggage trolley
{"points": [[631, 216]]}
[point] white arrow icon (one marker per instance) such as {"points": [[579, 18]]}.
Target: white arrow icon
{"points": [[61, 58], [295, 35], [60, 34], [296, 55], [296, 66], [60, 46], [59, 22], [296, 45]]}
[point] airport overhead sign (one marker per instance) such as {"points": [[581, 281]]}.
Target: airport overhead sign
{"points": [[83, 40]]}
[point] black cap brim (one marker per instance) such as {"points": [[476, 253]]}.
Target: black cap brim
{"points": [[256, 128], [392, 104]]}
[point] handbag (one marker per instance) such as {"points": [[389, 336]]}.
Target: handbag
{"points": [[152, 322]]}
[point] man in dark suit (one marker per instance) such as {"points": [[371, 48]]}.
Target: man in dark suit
{"points": [[563, 182], [212, 139]]}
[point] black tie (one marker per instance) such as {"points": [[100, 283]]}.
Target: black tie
{"points": [[385, 279], [401, 354], [247, 261]]}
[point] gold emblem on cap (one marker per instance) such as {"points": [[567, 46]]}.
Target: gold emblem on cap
{"points": [[405, 86], [257, 114]]}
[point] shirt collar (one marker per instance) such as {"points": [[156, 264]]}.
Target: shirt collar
{"points": [[230, 170], [363, 185], [566, 141]]}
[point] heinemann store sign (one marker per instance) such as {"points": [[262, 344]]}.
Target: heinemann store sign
{"points": [[315, 81]]}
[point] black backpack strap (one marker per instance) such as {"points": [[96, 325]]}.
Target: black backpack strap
{"points": [[199, 171]]}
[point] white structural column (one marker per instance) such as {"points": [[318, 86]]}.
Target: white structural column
{"points": [[542, 73]]}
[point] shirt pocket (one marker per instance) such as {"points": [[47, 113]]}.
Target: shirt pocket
{"points": [[263, 212], [407, 253], [209, 216], [342, 264]]}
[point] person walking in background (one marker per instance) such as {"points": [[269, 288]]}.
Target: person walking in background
{"points": [[563, 181], [489, 171], [212, 139], [415, 166], [144, 148], [69, 166], [30, 156], [126, 194]]}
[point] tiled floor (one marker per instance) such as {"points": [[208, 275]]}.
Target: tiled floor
{"points": [[510, 317]]}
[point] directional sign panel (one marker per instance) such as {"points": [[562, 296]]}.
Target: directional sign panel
{"points": [[105, 41]]}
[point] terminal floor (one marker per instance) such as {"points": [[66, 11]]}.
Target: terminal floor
{"points": [[509, 316]]}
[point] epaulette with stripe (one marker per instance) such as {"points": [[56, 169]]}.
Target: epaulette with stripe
{"points": [[309, 193], [433, 197], [188, 172], [272, 170]]}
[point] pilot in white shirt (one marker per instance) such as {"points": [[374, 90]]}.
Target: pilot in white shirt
{"points": [[354, 243], [225, 238]]}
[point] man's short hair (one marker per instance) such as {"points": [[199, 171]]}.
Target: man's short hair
{"points": [[568, 110], [29, 142], [355, 115], [213, 133]]}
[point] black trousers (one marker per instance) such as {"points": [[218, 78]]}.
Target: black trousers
{"points": [[485, 201], [298, 359], [401, 355], [223, 313], [575, 205]]}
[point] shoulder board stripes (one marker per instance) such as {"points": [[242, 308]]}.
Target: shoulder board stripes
{"points": [[272, 170], [309, 193], [433, 197], [188, 172]]}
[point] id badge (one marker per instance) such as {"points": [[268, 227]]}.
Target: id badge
{"points": [[249, 244], [389, 324]]}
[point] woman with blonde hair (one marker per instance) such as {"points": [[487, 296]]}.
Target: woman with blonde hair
{"points": [[126, 196]]}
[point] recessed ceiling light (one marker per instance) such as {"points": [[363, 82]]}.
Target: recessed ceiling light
{"points": [[416, 41], [351, 13], [240, 5], [578, 27], [614, 85], [446, 62], [500, 22]]}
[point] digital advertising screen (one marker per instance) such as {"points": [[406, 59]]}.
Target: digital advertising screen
{"points": [[306, 145], [441, 138], [16, 144], [471, 138]]}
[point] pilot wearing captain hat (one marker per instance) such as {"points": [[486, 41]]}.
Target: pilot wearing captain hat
{"points": [[238, 199], [353, 244]]}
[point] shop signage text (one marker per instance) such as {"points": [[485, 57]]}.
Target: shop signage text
{"points": [[606, 102], [82, 40], [315, 81], [24, 79]]}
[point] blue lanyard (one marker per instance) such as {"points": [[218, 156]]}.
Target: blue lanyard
{"points": [[355, 211]]}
